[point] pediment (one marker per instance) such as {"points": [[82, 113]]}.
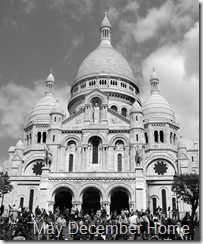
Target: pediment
{"points": [[183, 156], [96, 93], [75, 119], [16, 157]]}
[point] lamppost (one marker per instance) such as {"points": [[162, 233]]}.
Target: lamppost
{"points": [[176, 175]]}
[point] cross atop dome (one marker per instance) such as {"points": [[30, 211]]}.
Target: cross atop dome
{"points": [[105, 30]]}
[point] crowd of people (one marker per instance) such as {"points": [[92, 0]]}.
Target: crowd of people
{"points": [[63, 224]]}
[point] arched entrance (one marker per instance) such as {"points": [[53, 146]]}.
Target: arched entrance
{"points": [[119, 200], [91, 200], [63, 198]]}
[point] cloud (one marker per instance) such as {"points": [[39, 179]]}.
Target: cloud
{"points": [[17, 102], [29, 5], [74, 45], [191, 50], [75, 10], [156, 18]]}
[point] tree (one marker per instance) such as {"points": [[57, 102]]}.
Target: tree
{"points": [[5, 185], [186, 187]]}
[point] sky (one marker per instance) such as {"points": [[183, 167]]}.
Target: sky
{"points": [[37, 36]]}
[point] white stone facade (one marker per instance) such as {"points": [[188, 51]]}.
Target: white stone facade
{"points": [[111, 144]]}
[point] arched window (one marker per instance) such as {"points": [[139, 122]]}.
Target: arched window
{"points": [[124, 112], [21, 202], [164, 207], [162, 136], [95, 141], [174, 139], [192, 159], [154, 205], [146, 137], [30, 139], [136, 118], [39, 137], [31, 199], [71, 163], [27, 138], [171, 137], [44, 136], [137, 137], [53, 138], [119, 162], [114, 108], [156, 136], [173, 203]]}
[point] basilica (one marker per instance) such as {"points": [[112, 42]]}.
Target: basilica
{"points": [[112, 151]]}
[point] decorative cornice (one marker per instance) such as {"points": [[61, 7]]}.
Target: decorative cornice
{"points": [[82, 110], [91, 179], [111, 111]]}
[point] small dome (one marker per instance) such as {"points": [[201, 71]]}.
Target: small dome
{"points": [[105, 22], [42, 110], [156, 107], [181, 143], [19, 145], [105, 60], [57, 109], [135, 108]]}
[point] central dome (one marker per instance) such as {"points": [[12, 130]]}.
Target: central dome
{"points": [[105, 60]]}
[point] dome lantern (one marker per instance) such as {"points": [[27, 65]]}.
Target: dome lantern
{"points": [[50, 84], [154, 80], [105, 30]]}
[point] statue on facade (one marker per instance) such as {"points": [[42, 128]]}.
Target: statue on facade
{"points": [[48, 156], [96, 113], [138, 156]]}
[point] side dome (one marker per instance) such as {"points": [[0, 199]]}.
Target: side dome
{"points": [[136, 108], [19, 145], [157, 107], [57, 109], [105, 60], [42, 110], [181, 144]]}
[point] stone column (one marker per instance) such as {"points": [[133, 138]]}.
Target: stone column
{"points": [[51, 206], [77, 205], [167, 136], [150, 136], [132, 205], [62, 161], [105, 205], [83, 157]]}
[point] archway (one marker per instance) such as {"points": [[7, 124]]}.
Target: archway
{"points": [[63, 198], [91, 200], [119, 200]]}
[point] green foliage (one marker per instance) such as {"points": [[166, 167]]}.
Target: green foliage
{"points": [[186, 187], [5, 184]]}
